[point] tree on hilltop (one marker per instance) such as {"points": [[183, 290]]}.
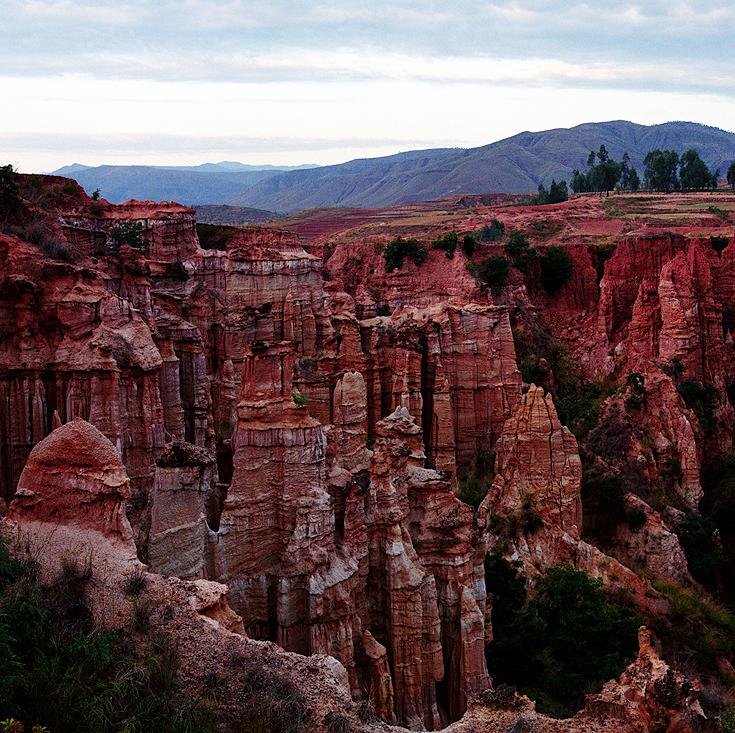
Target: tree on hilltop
{"points": [[661, 170], [731, 174], [694, 174]]}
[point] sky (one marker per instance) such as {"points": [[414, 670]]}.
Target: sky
{"points": [[291, 82]]}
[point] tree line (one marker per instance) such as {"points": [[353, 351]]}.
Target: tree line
{"points": [[665, 171]]}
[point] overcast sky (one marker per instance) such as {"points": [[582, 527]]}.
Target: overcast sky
{"points": [[266, 81]]}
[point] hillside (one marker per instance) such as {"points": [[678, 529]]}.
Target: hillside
{"points": [[209, 183], [515, 165]]}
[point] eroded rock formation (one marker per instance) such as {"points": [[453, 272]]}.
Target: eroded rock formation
{"points": [[292, 420]]}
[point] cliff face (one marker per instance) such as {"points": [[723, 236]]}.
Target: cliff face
{"points": [[260, 426]]}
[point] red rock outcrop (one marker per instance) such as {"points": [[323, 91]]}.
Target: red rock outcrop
{"points": [[73, 510], [183, 497], [333, 560], [452, 367], [74, 477], [321, 439], [534, 505], [652, 545]]}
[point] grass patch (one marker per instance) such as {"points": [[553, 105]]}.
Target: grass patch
{"points": [[697, 629], [61, 672]]}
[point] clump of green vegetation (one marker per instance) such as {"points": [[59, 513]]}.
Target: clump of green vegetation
{"points": [[383, 310], [719, 481], [61, 672], [447, 242], [9, 196], [605, 174], [519, 250], [580, 410], [636, 385], [469, 244], [697, 628], [719, 243], [298, 398], [337, 723], [543, 361], [705, 558], [475, 481], [494, 271], [603, 502], [399, 248], [545, 228], [700, 398], [526, 521], [492, 232], [565, 642], [126, 232], [556, 268], [557, 193], [719, 212], [271, 704], [36, 230]]}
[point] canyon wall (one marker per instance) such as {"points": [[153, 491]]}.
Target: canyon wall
{"points": [[292, 422]]}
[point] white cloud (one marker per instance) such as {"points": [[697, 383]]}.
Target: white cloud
{"points": [[317, 81], [94, 121]]}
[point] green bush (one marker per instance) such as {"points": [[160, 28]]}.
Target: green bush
{"points": [[298, 398], [271, 704], [564, 643], [494, 271], [447, 242], [635, 383], [469, 244], [508, 590], [698, 538], [719, 482], [719, 212], [696, 628], [700, 399], [493, 232], [580, 410], [517, 245], [398, 249], [603, 504], [475, 481], [557, 193], [9, 197], [126, 232], [556, 268]]}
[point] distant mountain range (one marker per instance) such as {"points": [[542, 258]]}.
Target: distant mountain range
{"points": [[517, 164], [209, 183]]}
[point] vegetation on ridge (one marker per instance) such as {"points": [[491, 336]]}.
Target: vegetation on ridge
{"points": [[565, 642]]}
